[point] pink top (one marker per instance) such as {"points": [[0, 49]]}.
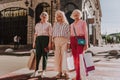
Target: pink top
{"points": [[80, 28], [43, 29]]}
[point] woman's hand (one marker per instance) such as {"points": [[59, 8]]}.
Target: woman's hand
{"points": [[68, 46], [50, 45], [85, 47]]}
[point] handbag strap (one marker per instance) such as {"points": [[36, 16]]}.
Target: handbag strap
{"points": [[75, 32]]}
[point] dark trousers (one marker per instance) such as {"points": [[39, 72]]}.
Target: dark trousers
{"points": [[41, 43]]}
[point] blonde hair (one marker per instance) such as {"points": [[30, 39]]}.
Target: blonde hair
{"points": [[76, 11], [44, 13], [59, 12]]}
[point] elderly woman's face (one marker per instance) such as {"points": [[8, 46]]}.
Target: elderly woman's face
{"points": [[43, 16], [76, 15], [59, 17]]}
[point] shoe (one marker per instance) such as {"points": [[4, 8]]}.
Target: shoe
{"points": [[43, 74], [35, 74], [59, 75], [65, 75]]}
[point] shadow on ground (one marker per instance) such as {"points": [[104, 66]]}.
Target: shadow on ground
{"points": [[27, 77]]}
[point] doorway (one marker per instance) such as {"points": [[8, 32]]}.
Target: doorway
{"points": [[13, 21], [39, 9]]}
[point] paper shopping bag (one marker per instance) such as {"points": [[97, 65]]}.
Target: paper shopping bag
{"points": [[32, 61], [67, 61], [70, 61], [83, 73], [89, 62]]}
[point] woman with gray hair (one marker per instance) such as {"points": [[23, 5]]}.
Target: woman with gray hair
{"points": [[42, 41], [60, 38], [78, 39]]}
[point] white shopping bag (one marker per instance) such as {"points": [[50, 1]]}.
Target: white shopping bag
{"points": [[82, 68], [89, 62], [68, 62]]}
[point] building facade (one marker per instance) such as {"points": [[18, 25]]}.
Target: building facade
{"points": [[18, 17], [92, 13]]}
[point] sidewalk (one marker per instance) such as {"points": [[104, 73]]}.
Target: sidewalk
{"points": [[105, 69], [24, 73]]}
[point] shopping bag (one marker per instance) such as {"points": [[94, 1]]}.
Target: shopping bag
{"points": [[70, 61], [83, 72], [32, 61], [89, 62]]}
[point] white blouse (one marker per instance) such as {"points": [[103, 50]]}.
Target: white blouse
{"points": [[43, 29]]}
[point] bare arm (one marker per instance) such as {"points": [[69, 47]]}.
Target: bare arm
{"points": [[86, 36]]}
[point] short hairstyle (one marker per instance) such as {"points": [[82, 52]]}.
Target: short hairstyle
{"points": [[59, 12], [76, 11], [44, 13]]}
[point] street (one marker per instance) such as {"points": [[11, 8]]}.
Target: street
{"points": [[106, 68], [11, 63]]}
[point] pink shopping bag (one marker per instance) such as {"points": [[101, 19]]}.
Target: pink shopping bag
{"points": [[89, 62]]}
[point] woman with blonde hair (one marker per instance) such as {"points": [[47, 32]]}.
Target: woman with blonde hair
{"points": [[78, 39], [42, 41], [60, 38]]}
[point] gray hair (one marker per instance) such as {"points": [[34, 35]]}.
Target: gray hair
{"points": [[76, 11]]}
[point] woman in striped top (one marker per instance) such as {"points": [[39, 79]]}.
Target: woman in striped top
{"points": [[60, 38]]}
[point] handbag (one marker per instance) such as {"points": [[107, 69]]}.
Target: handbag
{"points": [[32, 61], [79, 40]]}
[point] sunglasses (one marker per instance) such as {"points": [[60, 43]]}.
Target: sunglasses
{"points": [[44, 15]]}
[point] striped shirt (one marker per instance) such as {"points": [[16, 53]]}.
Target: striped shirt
{"points": [[61, 30], [43, 29]]}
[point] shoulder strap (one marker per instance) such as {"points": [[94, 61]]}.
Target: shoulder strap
{"points": [[75, 32]]}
